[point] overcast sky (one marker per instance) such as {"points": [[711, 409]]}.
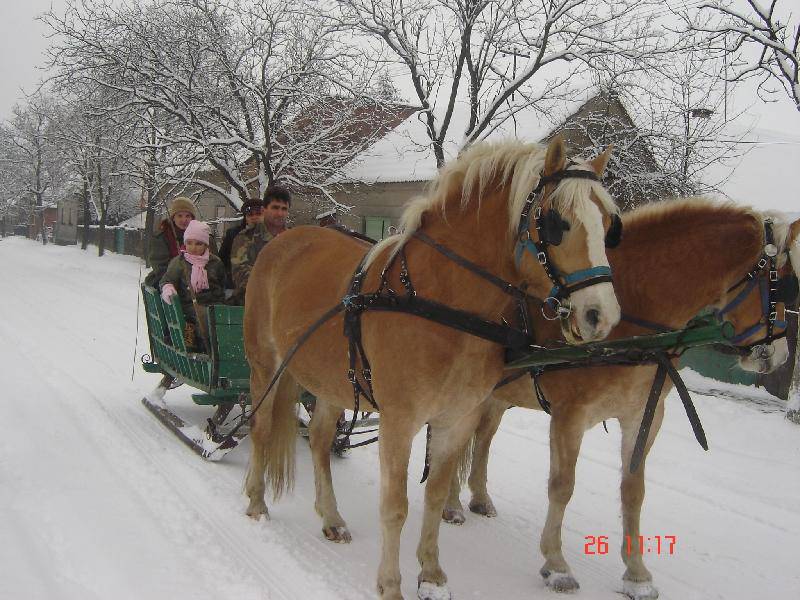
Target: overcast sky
{"points": [[23, 41]]}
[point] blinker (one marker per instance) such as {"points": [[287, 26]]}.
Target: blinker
{"points": [[787, 290], [614, 234], [553, 227]]}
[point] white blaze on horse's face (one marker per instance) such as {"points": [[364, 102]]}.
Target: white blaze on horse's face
{"points": [[595, 309]]}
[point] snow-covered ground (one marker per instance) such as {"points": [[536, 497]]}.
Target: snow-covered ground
{"points": [[99, 501]]}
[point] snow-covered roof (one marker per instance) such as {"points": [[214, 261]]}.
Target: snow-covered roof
{"points": [[404, 153], [135, 222]]}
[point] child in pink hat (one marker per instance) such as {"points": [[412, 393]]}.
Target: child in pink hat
{"points": [[195, 275]]}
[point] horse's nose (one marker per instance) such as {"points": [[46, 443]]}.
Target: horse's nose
{"points": [[593, 317]]}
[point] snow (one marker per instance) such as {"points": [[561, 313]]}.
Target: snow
{"points": [[98, 500]]}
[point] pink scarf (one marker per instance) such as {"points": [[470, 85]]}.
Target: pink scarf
{"points": [[199, 275]]}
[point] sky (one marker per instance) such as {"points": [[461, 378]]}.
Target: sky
{"points": [[23, 42]]}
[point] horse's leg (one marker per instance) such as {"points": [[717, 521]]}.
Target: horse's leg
{"points": [[260, 424], [637, 580], [480, 502], [453, 511], [446, 444], [321, 434], [566, 435], [394, 443]]}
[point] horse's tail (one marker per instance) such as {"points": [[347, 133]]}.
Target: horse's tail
{"points": [[465, 460], [280, 447]]}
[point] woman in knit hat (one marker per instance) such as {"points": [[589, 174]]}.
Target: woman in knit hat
{"points": [[197, 277], [168, 242]]}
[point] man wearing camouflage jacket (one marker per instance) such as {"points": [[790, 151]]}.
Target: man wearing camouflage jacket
{"points": [[249, 242]]}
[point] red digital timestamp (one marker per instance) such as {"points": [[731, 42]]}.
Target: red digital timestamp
{"points": [[647, 544]]}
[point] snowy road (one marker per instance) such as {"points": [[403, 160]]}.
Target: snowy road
{"points": [[97, 500]]}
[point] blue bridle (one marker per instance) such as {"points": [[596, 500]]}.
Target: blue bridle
{"points": [[563, 284], [772, 289]]}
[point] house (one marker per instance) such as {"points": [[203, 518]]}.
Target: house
{"points": [[398, 166], [66, 227]]}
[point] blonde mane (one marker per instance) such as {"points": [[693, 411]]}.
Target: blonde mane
{"points": [[511, 163]]}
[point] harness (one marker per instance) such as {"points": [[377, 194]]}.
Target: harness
{"points": [[385, 299]]}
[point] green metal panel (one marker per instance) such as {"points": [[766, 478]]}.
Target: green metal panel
{"points": [[722, 367]]}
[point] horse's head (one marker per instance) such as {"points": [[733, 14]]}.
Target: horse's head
{"points": [[565, 225], [756, 306]]}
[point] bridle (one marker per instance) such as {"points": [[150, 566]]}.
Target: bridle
{"points": [[550, 227], [772, 289]]}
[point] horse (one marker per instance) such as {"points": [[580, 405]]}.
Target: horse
{"points": [[464, 248], [676, 258]]}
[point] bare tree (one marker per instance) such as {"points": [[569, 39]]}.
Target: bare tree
{"points": [[27, 151], [762, 40], [446, 44], [232, 77]]}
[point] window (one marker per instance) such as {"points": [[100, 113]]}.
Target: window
{"points": [[376, 227]]}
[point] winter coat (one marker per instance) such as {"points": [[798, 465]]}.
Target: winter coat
{"points": [[225, 250], [179, 274], [246, 246], [163, 248]]}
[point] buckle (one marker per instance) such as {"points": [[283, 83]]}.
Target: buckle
{"points": [[537, 212], [762, 263], [559, 310], [542, 258], [773, 316], [773, 275], [367, 373], [351, 375]]}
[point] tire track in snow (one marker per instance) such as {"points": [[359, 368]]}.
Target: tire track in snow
{"points": [[240, 543]]}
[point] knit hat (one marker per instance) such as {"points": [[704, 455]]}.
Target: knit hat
{"points": [[182, 203], [197, 231]]}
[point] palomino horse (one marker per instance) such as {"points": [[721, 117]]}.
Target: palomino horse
{"points": [[421, 372], [676, 258]]}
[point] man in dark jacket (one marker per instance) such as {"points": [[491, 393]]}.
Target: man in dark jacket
{"points": [[252, 212]]}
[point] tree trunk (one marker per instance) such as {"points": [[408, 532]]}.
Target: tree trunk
{"points": [[101, 242], [86, 216]]}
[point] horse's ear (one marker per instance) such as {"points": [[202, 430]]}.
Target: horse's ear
{"points": [[600, 161], [556, 157]]}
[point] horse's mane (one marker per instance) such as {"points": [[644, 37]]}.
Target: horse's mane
{"points": [[483, 166], [703, 208]]}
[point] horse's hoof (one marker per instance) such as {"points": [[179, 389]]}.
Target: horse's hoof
{"points": [[639, 590], [486, 509], [256, 510], [432, 591], [454, 516], [559, 582], [337, 534]]}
